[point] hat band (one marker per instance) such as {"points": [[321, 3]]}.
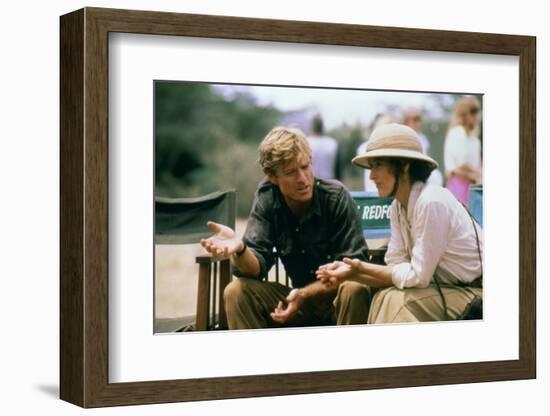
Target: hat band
{"points": [[395, 142]]}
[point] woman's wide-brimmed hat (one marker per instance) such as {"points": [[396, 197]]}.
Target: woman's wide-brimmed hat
{"points": [[393, 140]]}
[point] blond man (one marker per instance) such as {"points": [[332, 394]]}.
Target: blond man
{"points": [[309, 222]]}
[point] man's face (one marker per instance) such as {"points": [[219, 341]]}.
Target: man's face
{"points": [[295, 180]]}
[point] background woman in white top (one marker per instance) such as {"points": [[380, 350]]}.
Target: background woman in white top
{"points": [[462, 153], [433, 262]]}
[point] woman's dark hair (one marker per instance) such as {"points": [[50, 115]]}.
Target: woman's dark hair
{"points": [[418, 169]]}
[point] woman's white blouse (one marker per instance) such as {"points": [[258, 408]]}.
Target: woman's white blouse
{"points": [[434, 235], [461, 148]]}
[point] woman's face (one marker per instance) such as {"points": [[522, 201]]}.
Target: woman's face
{"points": [[383, 176]]}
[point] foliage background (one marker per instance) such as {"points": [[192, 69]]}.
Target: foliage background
{"points": [[207, 136]]}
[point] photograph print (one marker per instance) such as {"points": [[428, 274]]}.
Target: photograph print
{"points": [[290, 206]]}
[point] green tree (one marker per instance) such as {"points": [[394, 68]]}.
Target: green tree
{"points": [[204, 142]]}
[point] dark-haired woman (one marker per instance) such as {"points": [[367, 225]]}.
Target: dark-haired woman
{"points": [[433, 262]]}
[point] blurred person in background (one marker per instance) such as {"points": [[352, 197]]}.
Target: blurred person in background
{"points": [[309, 221], [412, 117], [379, 119], [324, 150], [462, 153]]}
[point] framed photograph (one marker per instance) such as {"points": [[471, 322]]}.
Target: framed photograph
{"points": [[163, 110]]}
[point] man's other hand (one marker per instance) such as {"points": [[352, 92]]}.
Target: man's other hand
{"points": [[282, 315]]}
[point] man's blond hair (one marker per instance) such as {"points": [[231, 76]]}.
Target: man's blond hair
{"points": [[280, 146]]}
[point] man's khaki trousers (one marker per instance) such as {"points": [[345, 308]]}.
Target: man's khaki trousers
{"points": [[249, 303]]}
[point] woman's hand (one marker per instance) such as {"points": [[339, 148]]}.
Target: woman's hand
{"points": [[334, 273]]}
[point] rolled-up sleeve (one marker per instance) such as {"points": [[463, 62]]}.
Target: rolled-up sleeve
{"points": [[259, 238], [431, 227]]}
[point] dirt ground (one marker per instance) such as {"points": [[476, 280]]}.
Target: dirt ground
{"points": [[176, 277]]}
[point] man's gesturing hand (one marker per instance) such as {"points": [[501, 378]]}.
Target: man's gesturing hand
{"points": [[282, 315], [224, 242]]}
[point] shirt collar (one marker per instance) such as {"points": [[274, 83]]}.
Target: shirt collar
{"points": [[315, 208], [416, 190], [277, 197]]}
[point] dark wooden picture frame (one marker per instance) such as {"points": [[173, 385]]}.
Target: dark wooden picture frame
{"points": [[84, 207]]}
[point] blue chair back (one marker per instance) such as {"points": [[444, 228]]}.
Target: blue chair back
{"points": [[475, 202]]}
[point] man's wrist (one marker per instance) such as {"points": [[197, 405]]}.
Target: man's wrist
{"points": [[299, 295], [240, 252]]}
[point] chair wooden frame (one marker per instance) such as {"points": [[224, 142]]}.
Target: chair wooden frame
{"points": [[176, 220], [214, 276]]}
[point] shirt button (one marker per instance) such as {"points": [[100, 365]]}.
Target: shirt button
{"points": [[297, 229], [311, 272], [303, 252], [328, 257]]}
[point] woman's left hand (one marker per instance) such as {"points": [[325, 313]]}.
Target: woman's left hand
{"points": [[334, 273]]}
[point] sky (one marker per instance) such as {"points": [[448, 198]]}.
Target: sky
{"points": [[335, 105]]}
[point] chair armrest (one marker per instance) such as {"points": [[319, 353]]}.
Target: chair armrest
{"points": [[377, 255], [377, 252], [209, 258]]}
